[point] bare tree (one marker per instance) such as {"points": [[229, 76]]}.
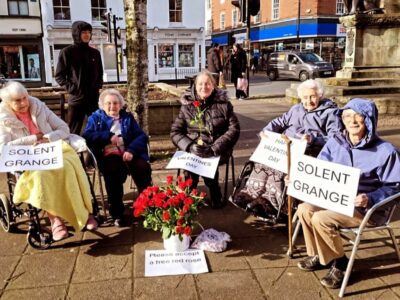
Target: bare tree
{"points": [[136, 49]]}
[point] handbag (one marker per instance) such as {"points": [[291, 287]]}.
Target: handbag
{"points": [[242, 84]]}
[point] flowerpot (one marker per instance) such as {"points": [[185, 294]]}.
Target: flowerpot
{"points": [[174, 244]]}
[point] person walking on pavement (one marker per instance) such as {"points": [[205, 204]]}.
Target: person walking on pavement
{"points": [[214, 63], [238, 68], [80, 72]]}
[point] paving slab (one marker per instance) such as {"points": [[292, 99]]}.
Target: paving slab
{"points": [[7, 266], [44, 269], [43, 293], [111, 289], [229, 285], [12, 243], [107, 235], [104, 263], [229, 260]]}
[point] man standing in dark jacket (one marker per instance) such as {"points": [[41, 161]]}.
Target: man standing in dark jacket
{"points": [[80, 72]]}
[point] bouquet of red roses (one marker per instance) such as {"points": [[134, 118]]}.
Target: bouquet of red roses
{"points": [[171, 209]]}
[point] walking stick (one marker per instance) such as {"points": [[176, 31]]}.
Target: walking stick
{"points": [[290, 200]]}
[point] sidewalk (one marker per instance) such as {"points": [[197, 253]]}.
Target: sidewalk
{"points": [[109, 263]]}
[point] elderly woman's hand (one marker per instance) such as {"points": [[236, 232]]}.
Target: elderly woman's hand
{"points": [[127, 156], [114, 140], [361, 200]]}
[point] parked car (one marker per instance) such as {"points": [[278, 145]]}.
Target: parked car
{"points": [[297, 65]]}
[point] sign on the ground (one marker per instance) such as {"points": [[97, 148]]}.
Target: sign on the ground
{"points": [[272, 151], [163, 262], [205, 167], [325, 184], [46, 156]]}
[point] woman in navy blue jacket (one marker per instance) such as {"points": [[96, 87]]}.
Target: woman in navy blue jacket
{"points": [[120, 147], [358, 146]]}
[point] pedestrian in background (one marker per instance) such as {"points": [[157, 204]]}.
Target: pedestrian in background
{"points": [[238, 68], [214, 62], [80, 72]]}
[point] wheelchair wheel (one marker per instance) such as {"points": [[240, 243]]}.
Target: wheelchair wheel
{"points": [[5, 213], [39, 240]]}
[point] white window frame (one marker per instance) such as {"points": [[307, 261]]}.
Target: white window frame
{"points": [[63, 8], [257, 18], [98, 8], [175, 10], [275, 9], [340, 8], [222, 21], [235, 17]]}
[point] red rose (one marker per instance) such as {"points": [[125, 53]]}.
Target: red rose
{"points": [[166, 216], [179, 229], [170, 179], [202, 195], [168, 192], [196, 103], [188, 201], [189, 182], [158, 202], [188, 230], [181, 213], [179, 178], [180, 222], [185, 208], [182, 185], [195, 192]]}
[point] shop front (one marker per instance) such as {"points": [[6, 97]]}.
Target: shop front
{"points": [[21, 52], [174, 54]]}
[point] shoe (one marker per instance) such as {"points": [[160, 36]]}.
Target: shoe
{"points": [[58, 229], [119, 222], [310, 263], [333, 279], [91, 223]]}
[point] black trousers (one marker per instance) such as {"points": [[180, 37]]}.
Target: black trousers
{"points": [[76, 116], [212, 184], [115, 172]]}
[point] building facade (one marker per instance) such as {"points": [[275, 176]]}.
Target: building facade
{"points": [[175, 36], [311, 25], [21, 48], [58, 16]]}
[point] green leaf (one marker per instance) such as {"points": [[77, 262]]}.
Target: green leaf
{"points": [[145, 224], [166, 233]]}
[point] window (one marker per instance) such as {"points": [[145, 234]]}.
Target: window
{"points": [[222, 21], [18, 7], [61, 10], [209, 27], [166, 56], [340, 7], [257, 18], [235, 17], [175, 11], [275, 9], [186, 55], [99, 9], [20, 62]]}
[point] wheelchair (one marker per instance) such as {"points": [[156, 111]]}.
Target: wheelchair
{"points": [[268, 213], [37, 236]]}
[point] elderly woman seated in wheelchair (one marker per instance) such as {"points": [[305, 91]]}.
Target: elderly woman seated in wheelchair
{"points": [[120, 147], [312, 120], [379, 179], [63, 193]]}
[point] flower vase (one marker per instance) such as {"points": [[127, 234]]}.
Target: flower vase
{"points": [[174, 244]]}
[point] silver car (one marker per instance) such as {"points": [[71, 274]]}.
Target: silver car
{"points": [[297, 65]]}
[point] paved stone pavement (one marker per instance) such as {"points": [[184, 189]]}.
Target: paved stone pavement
{"points": [[109, 263]]}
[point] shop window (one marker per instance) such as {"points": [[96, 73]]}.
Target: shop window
{"points": [[18, 7], [175, 11], [186, 55], [340, 8], [222, 21], [235, 17], [166, 56], [61, 10], [99, 9], [275, 9], [20, 62]]}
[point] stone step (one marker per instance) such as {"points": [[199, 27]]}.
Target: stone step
{"points": [[361, 82], [361, 90], [370, 73]]}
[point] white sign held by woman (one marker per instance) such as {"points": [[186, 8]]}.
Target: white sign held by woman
{"points": [[205, 167], [325, 184], [272, 151], [46, 156]]}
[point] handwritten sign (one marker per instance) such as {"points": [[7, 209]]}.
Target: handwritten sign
{"points": [[325, 184], [205, 167], [272, 151], [162, 262], [47, 156]]}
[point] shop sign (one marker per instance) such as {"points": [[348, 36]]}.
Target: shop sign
{"points": [[340, 30]]}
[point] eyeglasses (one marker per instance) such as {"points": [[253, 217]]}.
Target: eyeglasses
{"points": [[351, 117]]}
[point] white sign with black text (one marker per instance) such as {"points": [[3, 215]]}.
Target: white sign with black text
{"points": [[272, 151], [46, 156], [205, 167], [163, 262], [325, 184]]}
